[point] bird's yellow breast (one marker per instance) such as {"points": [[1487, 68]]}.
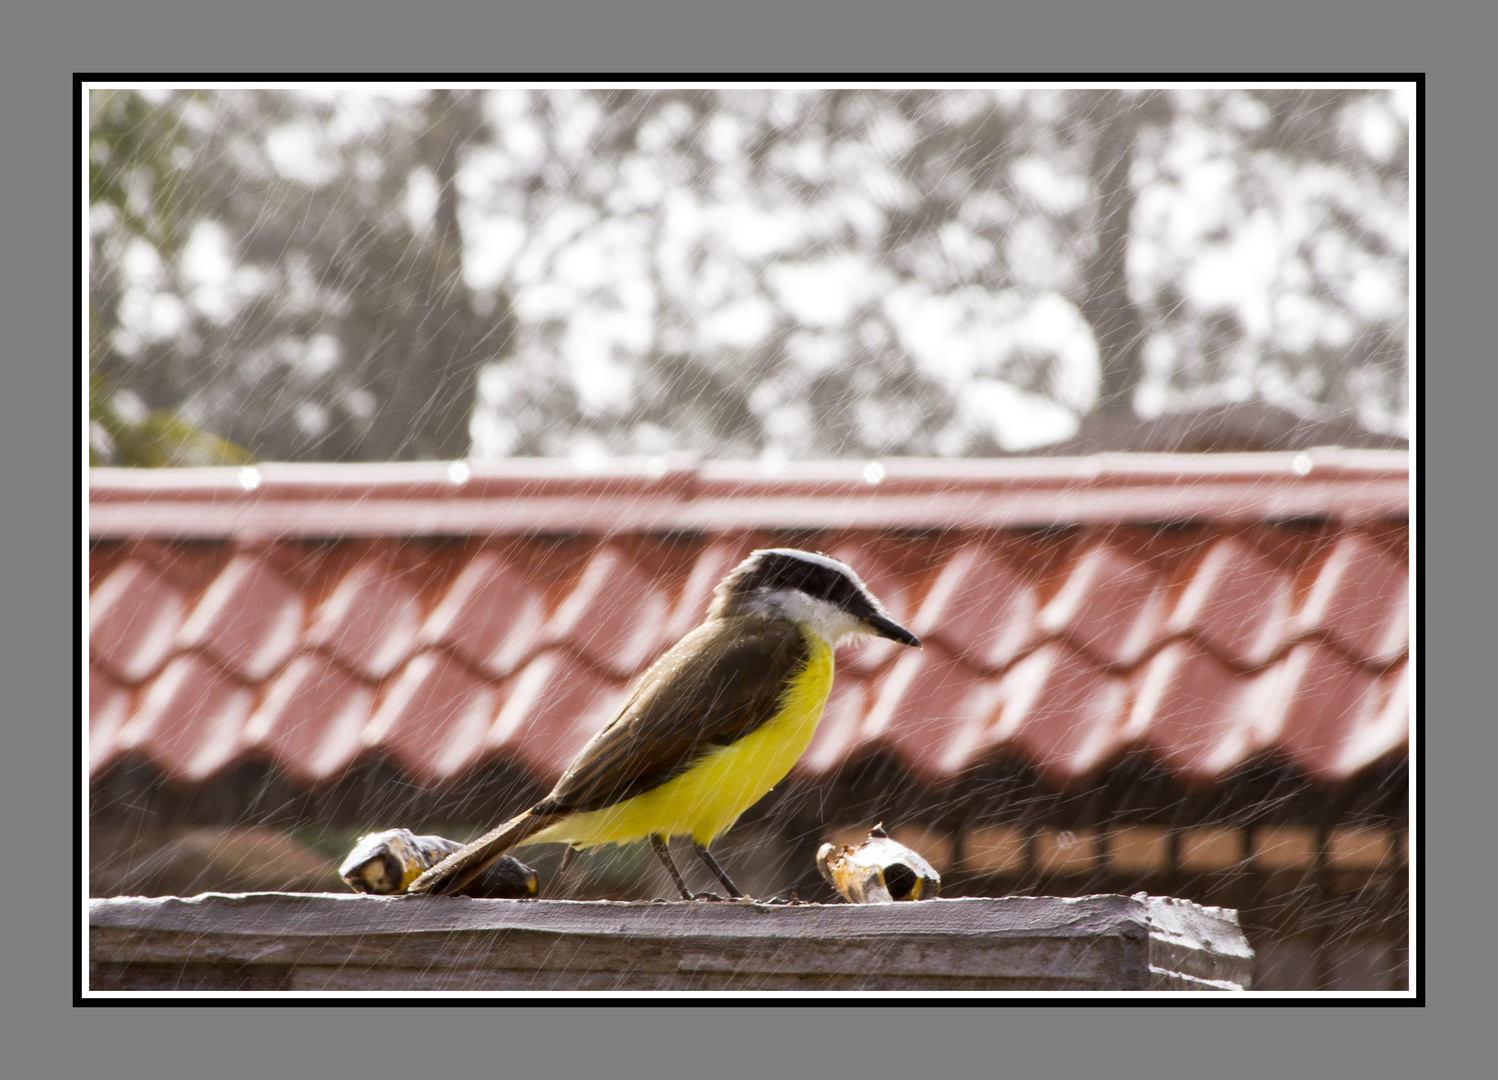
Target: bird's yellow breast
{"points": [[709, 797]]}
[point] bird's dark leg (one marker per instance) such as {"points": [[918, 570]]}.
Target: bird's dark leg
{"points": [[663, 853], [569, 853], [712, 864]]}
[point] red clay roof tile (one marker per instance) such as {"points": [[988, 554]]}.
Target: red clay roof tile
{"points": [[250, 618], [1359, 596], [1324, 704], [490, 615], [715, 559], [312, 719], [190, 721], [555, 706], [370, 621], [924, 705], [1061, 714], [1191, 714], [979, 606], [613, 615], [1108, 606], [134, 615], [434, 717], [1205, 644], [1235, 601], [1383, 726]]}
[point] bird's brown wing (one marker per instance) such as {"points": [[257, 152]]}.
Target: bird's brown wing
{"points": [[716, 685]]}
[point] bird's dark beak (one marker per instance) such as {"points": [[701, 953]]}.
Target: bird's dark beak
{"points": [[886, 627]]}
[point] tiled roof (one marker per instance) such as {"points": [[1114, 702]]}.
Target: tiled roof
{"points": [[1203, 611]]}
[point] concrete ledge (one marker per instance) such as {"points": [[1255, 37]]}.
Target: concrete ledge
{"points": [[324, 941]]}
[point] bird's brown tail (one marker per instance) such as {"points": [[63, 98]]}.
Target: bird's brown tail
{"points": [[462, 866]]}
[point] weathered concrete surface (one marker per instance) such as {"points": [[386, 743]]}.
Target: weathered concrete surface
{"points": [[330, 941]]}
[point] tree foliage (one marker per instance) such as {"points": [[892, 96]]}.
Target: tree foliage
{"points": [[734, 273], [136, 180]]}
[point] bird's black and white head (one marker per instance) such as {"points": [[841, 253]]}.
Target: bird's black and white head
{"points": [[811, 589]]}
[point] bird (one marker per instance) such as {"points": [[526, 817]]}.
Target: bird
{"points": [[715, 723]]}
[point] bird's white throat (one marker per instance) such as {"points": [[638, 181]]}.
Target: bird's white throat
{"points": [[828, 620]]}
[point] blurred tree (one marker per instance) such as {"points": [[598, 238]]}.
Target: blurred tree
{"points": [[338, 326], [802, 272], [156, 440], [141, 189]]}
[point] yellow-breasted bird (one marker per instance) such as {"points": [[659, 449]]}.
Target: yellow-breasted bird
{"points": [[711, 727]]}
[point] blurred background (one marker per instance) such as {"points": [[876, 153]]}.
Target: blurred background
{"points": [[386, 273], [631, 299]]}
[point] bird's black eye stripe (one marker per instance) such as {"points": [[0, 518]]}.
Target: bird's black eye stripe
{"points": [[777, 571]]}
